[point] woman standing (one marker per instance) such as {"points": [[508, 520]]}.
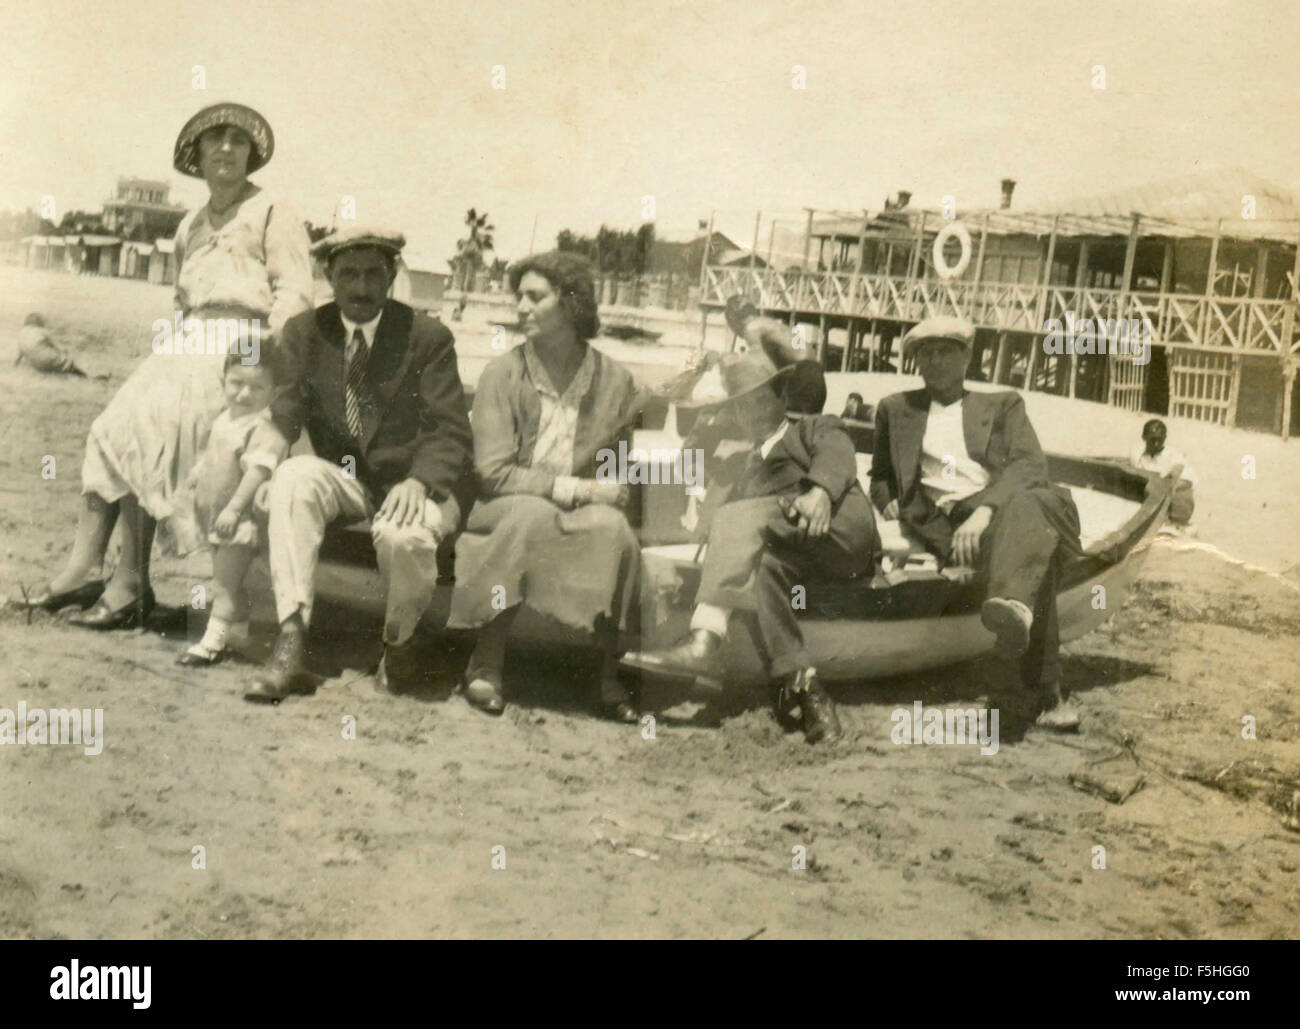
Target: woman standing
{"points": [[545, 532], [240, 256]]}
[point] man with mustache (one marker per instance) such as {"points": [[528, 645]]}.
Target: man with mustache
{"points": [[377, 388]]}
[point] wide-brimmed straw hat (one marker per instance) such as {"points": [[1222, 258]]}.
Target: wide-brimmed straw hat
{"points": [[734, 376], [956, 330], [185, 158]]}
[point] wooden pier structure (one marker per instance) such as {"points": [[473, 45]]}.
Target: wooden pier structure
{"points": [[1218, 297]]}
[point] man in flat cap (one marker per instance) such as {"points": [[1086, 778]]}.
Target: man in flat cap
{"points": [[377, 388], [965, 475], [794, 510]]}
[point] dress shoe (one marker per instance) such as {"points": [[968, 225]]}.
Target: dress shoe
{"points": [[80, 596], [618, 704], [700, 654], [820, 722], [623, 711], [200, 657], [485, 695], [1009, 620], [131, 615], [789, 715], [285, 674], [400, 669]]}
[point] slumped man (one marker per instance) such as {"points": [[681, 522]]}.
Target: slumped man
{"points": [[795, 510], [377, 388]]}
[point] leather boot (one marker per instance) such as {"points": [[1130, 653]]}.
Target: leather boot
{"points": [[820, 722], [285, 674], [401, 669]]}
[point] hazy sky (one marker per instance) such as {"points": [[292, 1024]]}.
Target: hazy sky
{"points": [[691, 102]]}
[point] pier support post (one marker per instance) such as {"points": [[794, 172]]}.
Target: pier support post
{"points": [[1003, 360]]}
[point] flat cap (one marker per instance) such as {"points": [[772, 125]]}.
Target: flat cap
{"points": [[959, 330], [358, 236]]}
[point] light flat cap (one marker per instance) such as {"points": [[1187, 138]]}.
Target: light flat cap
{"points": [[958, 330], [358, 236]]}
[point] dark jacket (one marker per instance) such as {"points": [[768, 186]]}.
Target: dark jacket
{"points": [[416, 424], [815, 451], [998, 437]]}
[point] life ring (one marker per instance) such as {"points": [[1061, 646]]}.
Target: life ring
{"points": [[941, 265]]}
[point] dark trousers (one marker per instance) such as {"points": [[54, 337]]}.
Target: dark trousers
{"points": [[1021, 553], [756, 557]]}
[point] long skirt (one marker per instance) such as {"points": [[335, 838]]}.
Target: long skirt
{"points": [[151, 434], [573, 566]]}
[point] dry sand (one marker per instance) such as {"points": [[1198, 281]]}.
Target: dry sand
{"points": [[605, 833]]}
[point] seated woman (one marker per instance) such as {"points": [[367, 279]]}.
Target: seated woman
{"points": [[243, 256], [545, 532]]}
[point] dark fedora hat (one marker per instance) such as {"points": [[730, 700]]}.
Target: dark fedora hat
{"points": [[185, 158], [735, 376]]}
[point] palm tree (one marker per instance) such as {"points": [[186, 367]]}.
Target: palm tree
{"points": [[470, 251]]}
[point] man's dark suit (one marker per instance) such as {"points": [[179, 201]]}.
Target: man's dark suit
{"points": [[414, 425], [1035, 522], [414, 421], [756, 555]]}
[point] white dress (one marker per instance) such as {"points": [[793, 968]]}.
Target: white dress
{"points": [[148, 438]]}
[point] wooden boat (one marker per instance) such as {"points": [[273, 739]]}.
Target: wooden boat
{"points": [[912, 619]]}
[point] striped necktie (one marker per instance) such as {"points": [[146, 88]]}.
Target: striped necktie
{"points": [[355, 385]]}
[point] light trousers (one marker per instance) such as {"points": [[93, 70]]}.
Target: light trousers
{"points": [[308, 494]]}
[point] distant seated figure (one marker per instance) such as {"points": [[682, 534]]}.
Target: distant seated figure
{"points": [[804, 389], [857, 409], [1152, 455], [41, 352]]}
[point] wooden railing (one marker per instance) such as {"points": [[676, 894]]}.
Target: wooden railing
{"points": [[1184, 321]]}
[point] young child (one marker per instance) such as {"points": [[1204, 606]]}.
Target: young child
{"points": [[243, 449]]}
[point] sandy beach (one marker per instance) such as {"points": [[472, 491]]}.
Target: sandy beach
{"points": [[307, 833]]}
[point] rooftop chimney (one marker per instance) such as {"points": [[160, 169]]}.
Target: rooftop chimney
{"points": [[1008, 187]]}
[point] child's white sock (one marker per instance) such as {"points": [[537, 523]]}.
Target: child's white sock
{"points": [[214, 639]]}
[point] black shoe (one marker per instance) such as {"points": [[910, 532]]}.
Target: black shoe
{"points": [[81, 596], [400, 669], [786, 705], [618, 704], [700, 654], [820, 722], [285, 675], [103, 618]]}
